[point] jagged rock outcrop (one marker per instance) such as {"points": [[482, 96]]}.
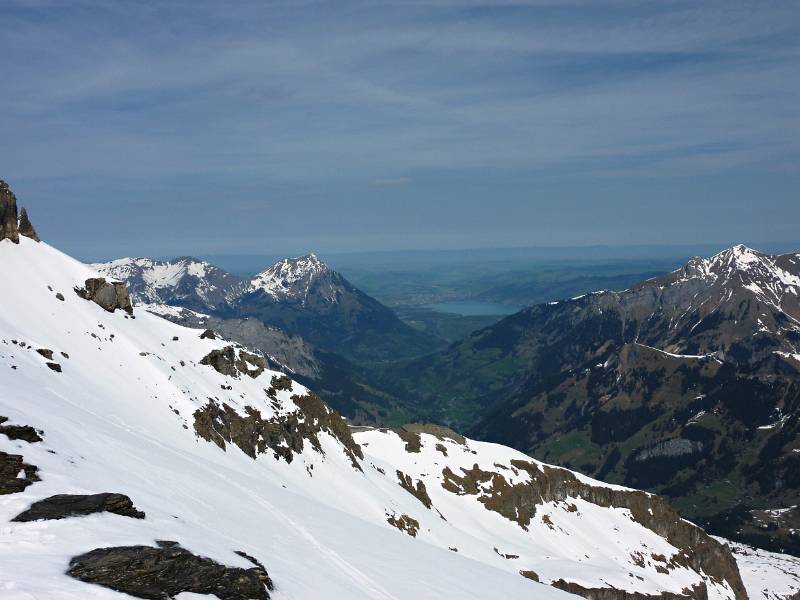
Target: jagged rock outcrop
{"points": [[411, 438], [25, 226], [418, 490], [404, 523], [62, 506], [108, 295], [168, 570], [231, 361], [12, 227], [15, 473], [8, 214], [284, 435]]}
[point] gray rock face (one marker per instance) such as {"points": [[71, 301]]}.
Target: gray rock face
{"points": [[8, 214], [109, 296], [26, 227], [62, 506], [227, 362], [168, 570]]}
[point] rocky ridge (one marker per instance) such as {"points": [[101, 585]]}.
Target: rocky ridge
{"points": [[12, 225], [536, 501]]}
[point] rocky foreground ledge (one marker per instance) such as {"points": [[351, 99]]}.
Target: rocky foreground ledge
{"points": [[13, 225]]}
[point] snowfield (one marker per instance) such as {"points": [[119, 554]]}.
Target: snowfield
{"points": [[767, 575], [120, 417]]}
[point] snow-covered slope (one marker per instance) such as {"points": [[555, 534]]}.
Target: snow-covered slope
{"points": [[224, 456], [767, 575]]}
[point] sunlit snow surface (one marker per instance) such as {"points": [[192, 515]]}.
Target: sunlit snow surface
{"points": [[766, 574], [119, 418]]}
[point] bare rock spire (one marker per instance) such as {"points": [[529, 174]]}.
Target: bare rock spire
{"points": [[8, 214], [26, 227]]}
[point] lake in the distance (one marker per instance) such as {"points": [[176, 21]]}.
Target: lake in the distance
{"points": [[471, 308]]}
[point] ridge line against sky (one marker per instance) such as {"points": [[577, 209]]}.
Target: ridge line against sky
{"points": [[201, 128]]}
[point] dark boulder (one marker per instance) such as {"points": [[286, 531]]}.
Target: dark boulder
{"points": [[8, 214], [208, 334], [26, 433], [108, 295], [165, 571], [25, 226], [62, 506], [11, 465]]}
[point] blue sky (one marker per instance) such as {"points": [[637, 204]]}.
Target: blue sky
{"points": [[204, 128]]}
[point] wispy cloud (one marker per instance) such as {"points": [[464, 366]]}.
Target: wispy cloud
{"points": [[380, 93]]}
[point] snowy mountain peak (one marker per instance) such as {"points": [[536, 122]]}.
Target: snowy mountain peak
{"points": [[738, 257], [292, 278], [770, 277], [723, 302]]}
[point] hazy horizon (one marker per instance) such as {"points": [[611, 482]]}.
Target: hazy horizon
{"points": [[249, 264]]}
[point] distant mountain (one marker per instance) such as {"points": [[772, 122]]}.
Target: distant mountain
{"points": [[687, 384], [185, 281], [302, 296]]}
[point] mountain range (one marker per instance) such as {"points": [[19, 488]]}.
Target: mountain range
{"points": [[687, 384], [142, 457], [301, 296]]}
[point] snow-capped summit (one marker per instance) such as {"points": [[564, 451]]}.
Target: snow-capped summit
{"points": [[769, 277], [294, 279]]}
